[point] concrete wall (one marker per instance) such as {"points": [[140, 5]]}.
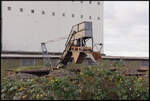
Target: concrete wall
{"points": [[25, 30], [11, 63], [18, 62]]}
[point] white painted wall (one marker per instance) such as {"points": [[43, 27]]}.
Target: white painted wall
{"points": [[24, 31]]}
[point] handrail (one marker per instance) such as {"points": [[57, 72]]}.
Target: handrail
{"points": [[67, 40], [67, 44]]}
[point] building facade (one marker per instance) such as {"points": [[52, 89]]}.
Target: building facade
{"points": [[25, 24]]}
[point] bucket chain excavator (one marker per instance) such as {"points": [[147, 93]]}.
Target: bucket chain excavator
{"points": [[76, 45], [79, 45]]}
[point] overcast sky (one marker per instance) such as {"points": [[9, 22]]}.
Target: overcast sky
{"points": [[126, 28]]}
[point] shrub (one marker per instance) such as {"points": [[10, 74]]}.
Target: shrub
{"points": [[92, 83]]}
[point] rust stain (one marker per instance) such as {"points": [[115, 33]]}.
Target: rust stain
{"points": [[96, 56]]}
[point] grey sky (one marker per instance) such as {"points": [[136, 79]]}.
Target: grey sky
{"points": [[126, 28]]}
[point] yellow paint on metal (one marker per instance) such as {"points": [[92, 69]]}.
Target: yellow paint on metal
{"points": [[76, 55]]}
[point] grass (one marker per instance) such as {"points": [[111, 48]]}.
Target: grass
{"points": [[17, 69], [30, 68]]}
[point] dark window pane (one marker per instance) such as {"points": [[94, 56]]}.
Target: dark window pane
{"points": [[98, 18], [98, 2], [90, 17], [9, 8], [63, 14], [32, 11], [73, 15], [81, 16], [53, 13], [43, 12], [21, 9]]}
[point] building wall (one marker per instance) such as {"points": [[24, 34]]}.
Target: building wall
{"points": [[18, 62], [25, 24], [13, 63]]}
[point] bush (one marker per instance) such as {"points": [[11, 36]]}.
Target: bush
{"points": [[92, 83]]}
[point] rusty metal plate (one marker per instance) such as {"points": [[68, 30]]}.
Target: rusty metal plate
{"points": [[143, 69], [97, 56]]}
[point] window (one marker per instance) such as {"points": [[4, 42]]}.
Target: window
{"points": [[98, 18], [53, 13], [21, 9], [73, 15], [90, 17], [98, 2], [32, 11], [9, 8], [145, 63], [63, 14], [27, 62], [81, 2], [43, 12], [90, 2], [81, 16]]}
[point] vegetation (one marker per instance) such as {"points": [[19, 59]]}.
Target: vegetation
{"points": [[30, 68], [90, 83], [4, 70]]}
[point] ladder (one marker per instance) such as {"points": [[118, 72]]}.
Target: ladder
{"points": [[66, 55]]}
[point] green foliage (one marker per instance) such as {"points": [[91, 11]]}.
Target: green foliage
{"points": [[30, 68], [92, 83]]}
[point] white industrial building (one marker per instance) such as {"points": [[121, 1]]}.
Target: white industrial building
{"points": [[25, 24]]}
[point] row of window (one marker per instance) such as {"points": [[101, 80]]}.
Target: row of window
{"points": [[90, 2], [53, 13]]}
